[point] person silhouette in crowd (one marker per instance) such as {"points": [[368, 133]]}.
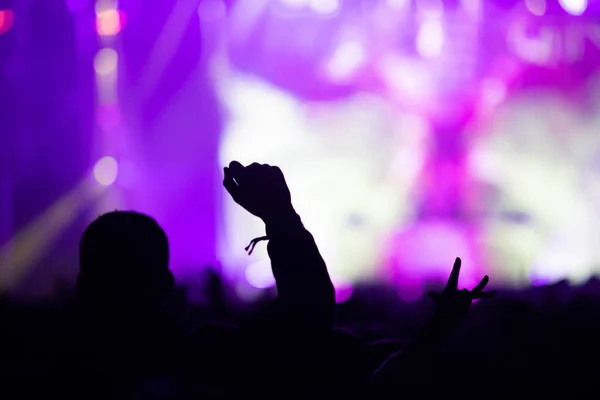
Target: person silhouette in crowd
{"points": [[120, 338], [124, 267], [290, 335], [416, 363], [305, 292]]}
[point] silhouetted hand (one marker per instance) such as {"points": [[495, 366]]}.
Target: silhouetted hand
{"points": [[259, 188], [452, 304]]}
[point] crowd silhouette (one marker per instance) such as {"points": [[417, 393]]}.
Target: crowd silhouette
{"points": [[127, 332]]}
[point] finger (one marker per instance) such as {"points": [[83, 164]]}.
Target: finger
{"points": [[229, 183], [238, 172], [481, 285], [434, 295], [276, 171], [453, 279], [235, 167], [484, 295]]}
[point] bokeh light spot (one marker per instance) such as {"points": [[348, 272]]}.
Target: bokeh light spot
{"points": [[430, 39], [574, 7], [346, 59], [260, 275], [7, 18], [106, 61], [110, 22], [106, 171]]}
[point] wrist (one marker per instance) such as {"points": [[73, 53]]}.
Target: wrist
{"points": [[281, 222]]}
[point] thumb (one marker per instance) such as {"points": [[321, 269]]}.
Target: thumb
{"points": [[230, 184]]}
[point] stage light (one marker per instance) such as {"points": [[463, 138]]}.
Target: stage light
{"points": [[259, 275], [346, 58], [574, 7], [106, 61], [325, 7], [109, 22], [106, 171], [6, 20], [536, 7], [430, 39]]}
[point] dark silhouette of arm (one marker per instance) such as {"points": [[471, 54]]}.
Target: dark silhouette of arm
{"points": [[306, 297], [416, 364], [304, 288]]}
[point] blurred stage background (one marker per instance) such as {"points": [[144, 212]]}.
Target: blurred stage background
{"points": [[410, 132]]}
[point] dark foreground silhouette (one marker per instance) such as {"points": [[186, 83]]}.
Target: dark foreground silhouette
{"points": [[127, 333]]}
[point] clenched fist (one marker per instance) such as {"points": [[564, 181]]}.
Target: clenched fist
{"points": [[259, 188]]}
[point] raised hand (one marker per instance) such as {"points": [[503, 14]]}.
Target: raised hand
{"points": [[259, 188], [452, 304]]}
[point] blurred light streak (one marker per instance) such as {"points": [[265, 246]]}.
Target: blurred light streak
{"points": [[166, 45], [31, 243], [7, 18], [107, 88], [212, 10], [108, 115]]}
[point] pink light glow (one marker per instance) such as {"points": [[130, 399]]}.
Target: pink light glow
{"points": [[7, 18], [110, 22]]}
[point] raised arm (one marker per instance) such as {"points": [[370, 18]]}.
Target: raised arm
{"points": [[305, 292], [416, 364]]}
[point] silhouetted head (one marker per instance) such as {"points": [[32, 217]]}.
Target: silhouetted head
{"points": [[124, 263]]}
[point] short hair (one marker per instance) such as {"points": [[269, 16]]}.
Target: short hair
{"points": [[124, 254]]}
